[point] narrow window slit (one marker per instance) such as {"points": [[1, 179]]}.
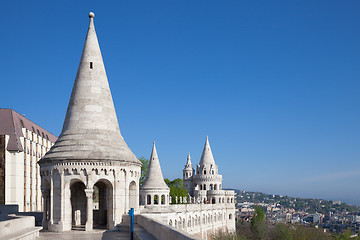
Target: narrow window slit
{"points": [[91, 65]]}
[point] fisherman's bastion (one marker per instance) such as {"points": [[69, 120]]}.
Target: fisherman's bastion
{"points": [[91, 156]]}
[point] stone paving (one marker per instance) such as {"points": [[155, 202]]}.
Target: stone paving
{"points": [[82, 235]]}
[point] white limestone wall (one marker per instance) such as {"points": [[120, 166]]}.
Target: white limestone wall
{"points": [[199, 219], [121, 180], [14, 177]]}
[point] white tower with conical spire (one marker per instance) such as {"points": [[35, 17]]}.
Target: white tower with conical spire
{"points": [[89, 155], [188, 172], [154, 190], [206, 183]]}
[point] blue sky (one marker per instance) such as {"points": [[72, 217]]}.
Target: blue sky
{"points": [[274, 84]]}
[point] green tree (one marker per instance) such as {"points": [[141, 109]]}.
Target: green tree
{"points": [[144, 168], [258, 223], [346, 235], [176, 189], [282, 232]]}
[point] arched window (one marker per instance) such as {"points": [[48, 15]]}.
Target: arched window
{"points": [[201, 187], [215, 186], [204, 171], [213, 200], [204, 186], [230, 216], [148, 202], [163, 199]]}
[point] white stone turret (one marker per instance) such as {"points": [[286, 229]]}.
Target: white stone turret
{"points": [[89, 154], [154, 190], [188, 172], [207, 181]]}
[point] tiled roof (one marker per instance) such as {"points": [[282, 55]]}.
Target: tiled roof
{"points": [[11, 124]]}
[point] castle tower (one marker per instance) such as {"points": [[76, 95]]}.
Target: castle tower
{"points": [[154, 190], [188, 172], [90, 158], [207, 181]]}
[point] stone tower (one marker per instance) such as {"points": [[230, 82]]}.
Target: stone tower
{"points": [[154, 190], [188, 172], [90, 176], [207, 180]]}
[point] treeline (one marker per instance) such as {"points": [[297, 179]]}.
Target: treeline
{"points": [[260, 229]]}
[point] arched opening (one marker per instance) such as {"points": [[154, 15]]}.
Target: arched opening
{"points": [[163, 199], [230, 216], [78, 204], [213, 200], [156, 199], [201, 187], [204, 186], [211, 187], [103, 204], [215, 187], [148, 199], [133, 199]]}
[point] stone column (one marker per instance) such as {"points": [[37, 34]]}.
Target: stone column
{"points": [[51, 200], [45, 195], [89, 209], [62, 197]]}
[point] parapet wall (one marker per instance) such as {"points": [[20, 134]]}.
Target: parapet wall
{"points": [[161, 230], [201, 220]]}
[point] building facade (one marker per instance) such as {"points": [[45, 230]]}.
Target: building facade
{"points": [[22, 144]]}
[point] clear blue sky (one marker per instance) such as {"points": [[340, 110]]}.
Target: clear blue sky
{"points": [[274, 84]]}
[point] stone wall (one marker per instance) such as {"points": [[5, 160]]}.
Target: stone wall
{"points": [[161, 230], [198, 219]]}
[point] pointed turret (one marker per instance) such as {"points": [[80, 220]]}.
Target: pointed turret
{"points": [[154, 178], [91, 130], [188, 164], [207, 156]]}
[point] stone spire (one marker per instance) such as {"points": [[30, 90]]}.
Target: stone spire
{"points": [[154, 178], [207, 156], [188, 164], [91, 130]]}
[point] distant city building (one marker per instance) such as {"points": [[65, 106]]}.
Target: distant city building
{"points": [[22, 144]]}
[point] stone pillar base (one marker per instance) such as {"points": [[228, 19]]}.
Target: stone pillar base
{"points": [[89, 226]]}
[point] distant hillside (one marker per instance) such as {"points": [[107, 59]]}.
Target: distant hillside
{"points": [[299, 204]]}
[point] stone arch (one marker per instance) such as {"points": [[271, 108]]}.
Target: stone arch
{"points": [[156, 199], [133, 195], [215, 187], [103, 195], [78, 203], [148, 199], [163, 199]]}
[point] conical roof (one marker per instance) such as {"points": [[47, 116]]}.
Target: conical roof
{"points": [[207, 156], [154, 178], [91, 130], [188, 164]]}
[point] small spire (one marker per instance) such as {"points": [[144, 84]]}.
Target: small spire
{"points": [[154, 178]]}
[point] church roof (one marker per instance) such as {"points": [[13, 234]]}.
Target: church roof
{"points": [[207, 156], [154, 178], [91, 130]]}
